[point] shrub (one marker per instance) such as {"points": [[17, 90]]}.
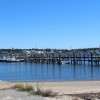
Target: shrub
{"points": [[44, 93], [22, 87], [30, 89]]}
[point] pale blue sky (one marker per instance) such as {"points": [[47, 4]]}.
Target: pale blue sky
{"points": [[62, 24]]}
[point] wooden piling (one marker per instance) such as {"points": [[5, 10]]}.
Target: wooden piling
{"points": [[84, 58], [91, 58]]}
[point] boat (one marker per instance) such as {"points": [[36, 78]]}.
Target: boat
{"points": [[65, 61], [13, 59], [10, 59], [2, 59]]}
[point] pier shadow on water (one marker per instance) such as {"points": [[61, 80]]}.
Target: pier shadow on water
{"points": [[47, 72]]}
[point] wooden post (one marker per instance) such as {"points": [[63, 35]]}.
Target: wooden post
{"points": [[84, 58], [80, 58], [53, 58], [68, 56], [59, 60], [88, 59], [42, 57], [59, 57], [71, 58], [91, 58], [47, 59], [36, 57], [98, 61], [74, 58]]}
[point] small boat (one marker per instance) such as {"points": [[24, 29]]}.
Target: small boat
{"points": [[13, 59], [65, 62], [3, 59], [10, 59]]}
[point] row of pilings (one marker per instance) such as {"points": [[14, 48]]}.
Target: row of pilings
{"points": [[73, 57]]}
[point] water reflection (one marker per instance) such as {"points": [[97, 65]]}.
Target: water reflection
{"points": [[47, 72]]}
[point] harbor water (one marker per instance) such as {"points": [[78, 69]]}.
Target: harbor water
{"points": [[22, 71]]}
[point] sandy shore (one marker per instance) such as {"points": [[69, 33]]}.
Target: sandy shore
{"points": [[62, 88], [74, 87]]}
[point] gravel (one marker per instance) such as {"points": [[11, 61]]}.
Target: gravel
{"points": [[16, 95]]}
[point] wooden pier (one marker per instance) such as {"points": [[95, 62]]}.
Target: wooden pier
{"points": [[75, 57]]}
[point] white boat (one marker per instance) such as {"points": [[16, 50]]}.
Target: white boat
{"points": [[13, 59], [10, 59], [65, 61], [2, 59]]}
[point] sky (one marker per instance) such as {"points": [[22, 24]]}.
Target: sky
{"points": [[59, 24]]}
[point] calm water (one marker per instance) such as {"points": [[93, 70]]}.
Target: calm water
{"points": [[43, 72]]}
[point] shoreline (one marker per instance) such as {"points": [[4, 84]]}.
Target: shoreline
{"points": [[53, 81], [64, 89], [72, 87]]}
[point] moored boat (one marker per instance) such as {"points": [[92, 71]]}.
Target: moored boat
{"points": [[65, 62], [10, 59]]}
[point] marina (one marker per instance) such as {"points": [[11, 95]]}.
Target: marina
{"points": [[49, 50], [55, 65], [83, 56]]}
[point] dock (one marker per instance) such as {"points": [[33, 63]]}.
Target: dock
{"points": [[75, 57]]}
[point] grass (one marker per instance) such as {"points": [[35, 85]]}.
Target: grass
{"points": [[30, 89], [44, 93], [22, 87]]}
